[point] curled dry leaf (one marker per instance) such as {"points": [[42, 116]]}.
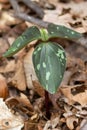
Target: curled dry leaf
{"points": [[70, 122], [24, 100], [9, 67], [52, 123], [19, 78], [80, 97], [8, 120], [21, 104], [3, 88], [29, 69]]}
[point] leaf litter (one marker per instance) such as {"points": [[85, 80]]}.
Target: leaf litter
{"points": [[20, 88]]}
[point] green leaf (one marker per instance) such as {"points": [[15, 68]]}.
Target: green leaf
{"points": [[49, 62], [29, 35], [62, 32]]}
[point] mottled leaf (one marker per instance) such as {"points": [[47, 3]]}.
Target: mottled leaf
{"points": [[29, 35], [49, 61], [62, 32]]}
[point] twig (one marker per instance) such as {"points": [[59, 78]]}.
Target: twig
{"points": [[34, 7], [26, 17], [15, 6], [31, 19]]}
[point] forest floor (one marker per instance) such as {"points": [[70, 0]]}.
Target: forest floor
{"points": [[22, 103]]}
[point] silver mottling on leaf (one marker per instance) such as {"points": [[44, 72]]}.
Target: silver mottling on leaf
{"points": [[35, 52], [39, 48], [72, 32], [14, 49], [60, 76], [60, 60], [18, 44], [57, 28], [47, 75], [62, 64], [46, 86], [60, 54], [44, 65], [38, 66], [67, 30], [66, 36]]}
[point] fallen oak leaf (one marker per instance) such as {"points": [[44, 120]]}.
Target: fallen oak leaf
{"points": [[79, 97]]}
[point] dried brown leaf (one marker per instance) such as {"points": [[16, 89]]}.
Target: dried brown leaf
{"points": [[7, 19], [74, 15], [52, 123], [80, 97], [3, 88], [70, 122], [19, 78], [3, 45], [8, 120], [24, 100], [21, 104], [29, 69], [9, 67]]}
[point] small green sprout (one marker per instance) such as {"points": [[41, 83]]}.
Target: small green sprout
{"points": [[49, 58]]}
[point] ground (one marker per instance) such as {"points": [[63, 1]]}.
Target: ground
{"points": [[19, 87]]}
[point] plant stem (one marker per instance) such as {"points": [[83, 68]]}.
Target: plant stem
{"points": [[47, 104]]}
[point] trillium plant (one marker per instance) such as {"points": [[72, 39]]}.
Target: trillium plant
{"points": [[49, 58]]}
